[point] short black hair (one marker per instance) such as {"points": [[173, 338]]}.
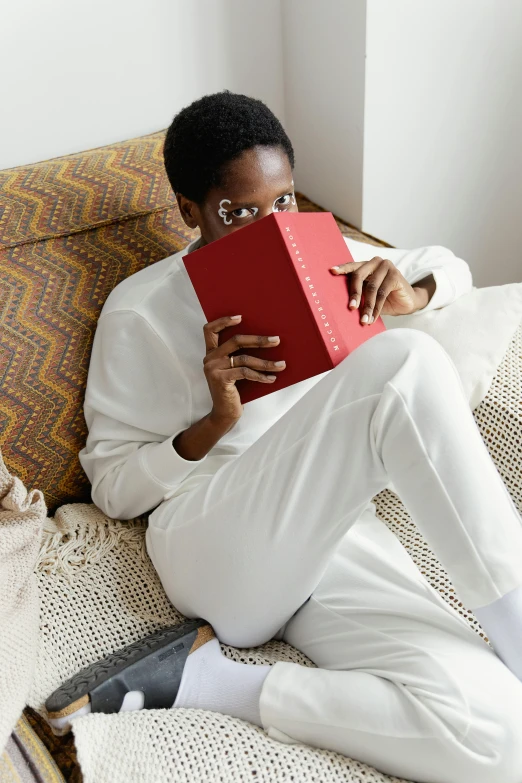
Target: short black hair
{"points": [[209, 133]]}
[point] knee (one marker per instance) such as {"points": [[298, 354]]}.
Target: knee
{"points": [[497, 748], [411, 356], [509, 750], [396, 345], [404, 342]]}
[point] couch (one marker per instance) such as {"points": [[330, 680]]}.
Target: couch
{"points": [[71, 229]]}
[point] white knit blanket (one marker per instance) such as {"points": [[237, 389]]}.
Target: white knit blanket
{"points": [[21, 520], [100, 592]]}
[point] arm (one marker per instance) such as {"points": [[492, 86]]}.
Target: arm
{"points": [[137, 402], [195, 442], [451, 276]]}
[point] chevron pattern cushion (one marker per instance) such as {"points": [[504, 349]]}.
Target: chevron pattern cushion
{"points": [[70, 230]]}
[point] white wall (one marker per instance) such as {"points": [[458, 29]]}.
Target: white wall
{"points": [[76, 76], [406, 116], [324, 51], [443, 130]]}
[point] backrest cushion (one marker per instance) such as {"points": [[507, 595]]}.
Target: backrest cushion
{"points": [[70, 230]]}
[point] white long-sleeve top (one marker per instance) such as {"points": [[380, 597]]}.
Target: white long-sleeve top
{"points": [[146, 382]]}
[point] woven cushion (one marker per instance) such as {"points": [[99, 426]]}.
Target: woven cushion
{"points": [[70, 230], [99, 592]]}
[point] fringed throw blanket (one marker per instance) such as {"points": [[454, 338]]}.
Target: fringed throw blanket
{"points": [[22, 515]]}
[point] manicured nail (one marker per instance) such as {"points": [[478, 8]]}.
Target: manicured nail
{"points": [[372, 319], [235, 316], [334, 267], [353, 302], [271, 377], [273, 339], [279, 364], [364, 319]]}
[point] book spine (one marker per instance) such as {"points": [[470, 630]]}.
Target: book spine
{"points": [[330, 335]]}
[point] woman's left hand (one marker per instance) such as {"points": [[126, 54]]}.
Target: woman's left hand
{"points": [[386, 291]]}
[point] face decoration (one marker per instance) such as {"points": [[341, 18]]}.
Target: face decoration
{"points": [[276, 207], [222, 211]]}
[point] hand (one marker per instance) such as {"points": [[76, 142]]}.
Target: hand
{"points": [[221, 377], [386, 291]]}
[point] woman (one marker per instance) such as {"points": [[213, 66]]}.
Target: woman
{"points": [[262, 521]]}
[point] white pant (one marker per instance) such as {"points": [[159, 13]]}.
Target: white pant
{"points": [[403, 683]]}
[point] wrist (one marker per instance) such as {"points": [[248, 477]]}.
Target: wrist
{"points": [[424, 290], [219, 422], [422, 298]]}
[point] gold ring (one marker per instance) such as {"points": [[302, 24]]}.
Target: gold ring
{"points": [[231, 361]]}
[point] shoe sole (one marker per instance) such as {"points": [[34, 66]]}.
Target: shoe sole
{"points": [[105, 682]]}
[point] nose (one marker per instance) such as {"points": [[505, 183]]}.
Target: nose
{"points": [[267, 210]]}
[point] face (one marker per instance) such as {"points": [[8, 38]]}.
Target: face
{"points": [[256, 184]]}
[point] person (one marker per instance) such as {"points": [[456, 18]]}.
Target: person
{"points": [[261, 523]]}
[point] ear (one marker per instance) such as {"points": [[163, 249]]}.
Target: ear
{"points": [[189, 211]]}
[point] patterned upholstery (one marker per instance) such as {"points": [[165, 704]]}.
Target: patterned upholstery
{"points": [[70, 230], [83, 191]]}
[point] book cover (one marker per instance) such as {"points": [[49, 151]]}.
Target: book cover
{"points": [[275, 273]]}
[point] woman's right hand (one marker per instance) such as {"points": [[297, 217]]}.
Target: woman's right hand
{"points": [[221, 377]]}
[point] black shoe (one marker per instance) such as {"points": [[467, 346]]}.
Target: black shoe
{"points": [[153, 665]]}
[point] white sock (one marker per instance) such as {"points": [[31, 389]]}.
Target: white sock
{"points": [[502, 622], [211, 681], [133, 700]]}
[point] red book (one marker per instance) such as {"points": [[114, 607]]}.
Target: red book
{"points": [[275, 273]]}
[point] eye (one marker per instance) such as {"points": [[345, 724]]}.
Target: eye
{"points": [[241, 212], [283, 201]]}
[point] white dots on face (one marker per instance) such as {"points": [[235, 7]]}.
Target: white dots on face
{"points": [[237, 216], [282, 201], [222, 211]]}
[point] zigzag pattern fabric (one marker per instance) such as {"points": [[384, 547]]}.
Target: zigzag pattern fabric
{"points": [[82, 191], [71, 229]]}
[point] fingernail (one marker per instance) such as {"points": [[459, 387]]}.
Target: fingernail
{"points": [[334, 267], [372, 319], [273, 339], [271, 377], [364, 319], [279, 364], [235, 316], [353, 302]]}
